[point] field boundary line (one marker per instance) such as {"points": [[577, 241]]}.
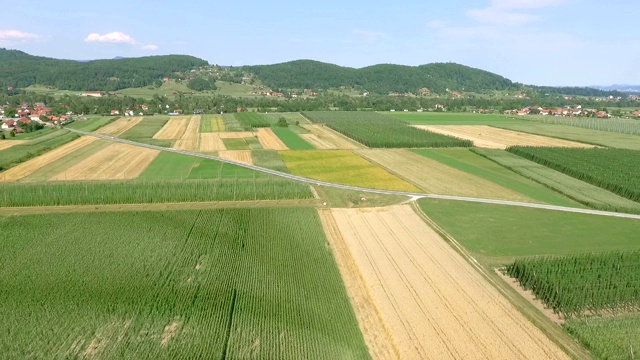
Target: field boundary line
{"points": [[357, 188], [534, 315]]}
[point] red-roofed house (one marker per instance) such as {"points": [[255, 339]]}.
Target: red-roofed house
{"points": [[25, 120], [636, 113], [8, 125], [115, 112]]}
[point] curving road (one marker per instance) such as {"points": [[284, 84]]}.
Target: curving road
{"points": [[413, 196]]}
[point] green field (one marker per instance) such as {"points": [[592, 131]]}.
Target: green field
{"points": [[211, 123], [210, 284], [622, 126], [236, 144], [342, 167], [439, 118], [291, 139], [231, 123], [500, 233], [250, 120], [616, 170], [379, 131], [91, 124], [173, 166], [22, 152], [596, 137], [145, 130], [608, 337], [269, 159], [580, 191], [472, 163]]}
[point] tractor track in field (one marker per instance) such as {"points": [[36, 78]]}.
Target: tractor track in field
{"points": [[413, 196]]}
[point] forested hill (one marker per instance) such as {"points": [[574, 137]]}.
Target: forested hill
{"points": [[19, 70], [381, 79]]}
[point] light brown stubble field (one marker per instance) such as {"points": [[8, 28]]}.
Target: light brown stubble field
{"points": [[119, 126], [434, 303], [494, 138], [321, 137], [243, 156], [269, 140]]}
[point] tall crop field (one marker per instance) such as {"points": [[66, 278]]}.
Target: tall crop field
{"points": [[251, 120], [210, 284], [379, 131], [616, 170], [582, 284], [622, 126]]}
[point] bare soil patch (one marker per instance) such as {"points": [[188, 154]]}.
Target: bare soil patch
{"points": [[170, 331], [32, 165], [437, 178], [119, 126], [494, 138], [435, 304], [243, 156], [322, 137], [7, 144], [376, 334], [210, 142], [269, 140], [115, 162]]}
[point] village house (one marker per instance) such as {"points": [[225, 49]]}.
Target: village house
{"points": [[8, 125]]}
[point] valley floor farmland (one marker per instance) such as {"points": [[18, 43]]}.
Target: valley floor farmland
{"points": [[495, 138], [324, 138], [433, 303], [119, 126], [224, 283]]}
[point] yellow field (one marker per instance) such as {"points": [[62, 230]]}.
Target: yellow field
{"points": [[115, 162], [210, 142], [173, 129], [243, 156], [343, 167], [321, 137], [216, 121], [119, 126], [269, 140], [30, 166]]}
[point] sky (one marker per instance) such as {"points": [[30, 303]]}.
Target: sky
{"points": [[538, 42]]}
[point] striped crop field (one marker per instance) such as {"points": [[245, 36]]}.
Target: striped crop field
{"points": [[378, 131], [250, 120], [343, 167], [211, 123], [608, 337], [208, 284], [291, 139], [613, 169]]}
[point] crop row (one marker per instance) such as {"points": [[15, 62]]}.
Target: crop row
{"points": [[613, 169], [32, 148], [210, 284], [623, 126], [582, 284], [250, 120], [378, 131], [147, 192]]}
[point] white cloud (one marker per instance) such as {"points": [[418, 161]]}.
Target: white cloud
{"points": [[150, 47], [369, 37], [13, 36], [116, 37], [511, 12]]}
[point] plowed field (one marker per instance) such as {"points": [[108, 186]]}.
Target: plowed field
{"points": [[434, 303], [494, 138], [30, 166], [322, 137], [269, 140], [437, 178], [237, 155], [115, 162], [119, 126]]}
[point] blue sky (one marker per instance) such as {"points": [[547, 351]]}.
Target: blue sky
{"points": [[541, 42]]}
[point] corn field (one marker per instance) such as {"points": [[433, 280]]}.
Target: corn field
{"points": [[210, 284], [623, 126]]}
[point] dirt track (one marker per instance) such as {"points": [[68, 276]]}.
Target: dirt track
{"points": [[437, 178], [115, 162], [119, 126], [324, 138], [243, 156], [30, 166], [434, 303], [494, 138], [269, 140]]}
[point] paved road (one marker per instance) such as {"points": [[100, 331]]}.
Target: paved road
{"points": [[413, 196]]}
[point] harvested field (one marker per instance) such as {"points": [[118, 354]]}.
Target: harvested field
{"points": [[437, 178], [8, 144], [30, 166], [190, 139], [269, 140], [173, 129], [119, 126], [211, 142], [115, 162], [243, 156], [322, 137], [494, 138], [236, 135], [434, 303]]}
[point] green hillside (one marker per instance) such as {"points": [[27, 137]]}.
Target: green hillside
{"points": [[20, 70], [381, 79]]}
